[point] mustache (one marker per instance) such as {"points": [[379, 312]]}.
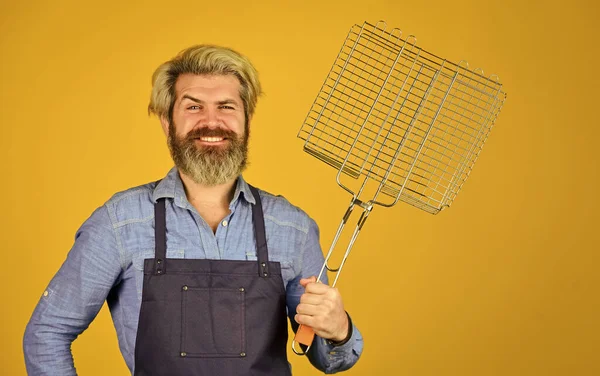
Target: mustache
{"points": [[210, 132]]}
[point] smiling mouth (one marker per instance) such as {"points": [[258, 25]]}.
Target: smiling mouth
{"points": [[211, 140]]}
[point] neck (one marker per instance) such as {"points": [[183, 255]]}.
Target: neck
{"points": [[204, 195]]}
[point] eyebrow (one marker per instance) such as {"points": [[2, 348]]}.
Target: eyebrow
{"points": [[222, 102], [185, 96]]}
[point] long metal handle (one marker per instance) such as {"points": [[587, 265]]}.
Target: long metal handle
{"points": [[305, 334]]}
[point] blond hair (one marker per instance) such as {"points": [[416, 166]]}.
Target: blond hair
{"points": [[203, 60]]}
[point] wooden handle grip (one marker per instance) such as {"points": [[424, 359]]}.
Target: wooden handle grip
{"points": [[304, 335]]}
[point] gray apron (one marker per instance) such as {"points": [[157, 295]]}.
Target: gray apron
{"points": [[211, 317]]}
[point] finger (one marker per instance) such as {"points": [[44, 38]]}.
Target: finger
{"points": [[308, 298], [305, 320], [310, 310], [315, 323], [317, 288], [325, 326]]}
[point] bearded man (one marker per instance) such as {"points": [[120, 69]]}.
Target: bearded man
{"points": [[199, 269]]}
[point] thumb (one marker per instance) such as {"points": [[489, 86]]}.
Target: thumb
{"points": [[306, 281]]}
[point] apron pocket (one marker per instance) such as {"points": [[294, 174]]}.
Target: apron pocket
{"points": [[213, 322]]}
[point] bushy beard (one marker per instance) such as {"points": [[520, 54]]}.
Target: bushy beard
{"points": [[205, 164]]}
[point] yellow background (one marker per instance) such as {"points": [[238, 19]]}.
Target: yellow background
{"points": [[504, 282]]}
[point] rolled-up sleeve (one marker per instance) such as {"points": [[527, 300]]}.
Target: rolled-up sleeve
{"points": [[73, 298], [324, 356]]}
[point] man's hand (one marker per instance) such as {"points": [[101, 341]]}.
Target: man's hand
{"points": [[322, 309]]}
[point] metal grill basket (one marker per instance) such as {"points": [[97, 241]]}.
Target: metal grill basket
{"points": [[402, 116], [407, 121]]}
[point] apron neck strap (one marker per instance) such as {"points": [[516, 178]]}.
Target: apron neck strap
{"points": [[262, 253], [160, 237]]}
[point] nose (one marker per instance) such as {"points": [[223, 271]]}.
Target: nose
{"points": [[211, 118]]}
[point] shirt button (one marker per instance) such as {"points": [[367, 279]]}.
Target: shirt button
{"points": [[224, 223], [46, 293]]}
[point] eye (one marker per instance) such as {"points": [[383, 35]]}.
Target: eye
{"points": [[226, 107], [193, 107]]}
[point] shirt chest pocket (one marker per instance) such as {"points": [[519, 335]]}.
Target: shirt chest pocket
{"points": [[137, 262]]}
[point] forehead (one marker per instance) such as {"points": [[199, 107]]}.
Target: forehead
{"points": [[207, 86]]}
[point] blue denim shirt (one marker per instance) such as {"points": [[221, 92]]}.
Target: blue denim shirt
{"points": [[106, 264]]}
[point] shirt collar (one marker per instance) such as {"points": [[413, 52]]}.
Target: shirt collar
{"points": [[171, 186], [244, 188]]}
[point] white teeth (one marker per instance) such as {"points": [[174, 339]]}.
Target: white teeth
{"points": [[211, 139]]}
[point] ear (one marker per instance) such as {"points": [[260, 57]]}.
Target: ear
{"points": [[165, 125]]}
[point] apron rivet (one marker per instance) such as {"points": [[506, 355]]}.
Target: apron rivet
{"points": [[265, 274], [242, 289], [158, 271], [183, 354], [263, 264], [243, 354], [185, 288], [159, 261]]}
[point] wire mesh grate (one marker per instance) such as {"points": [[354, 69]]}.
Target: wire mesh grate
{"points": [[394, 113]]}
